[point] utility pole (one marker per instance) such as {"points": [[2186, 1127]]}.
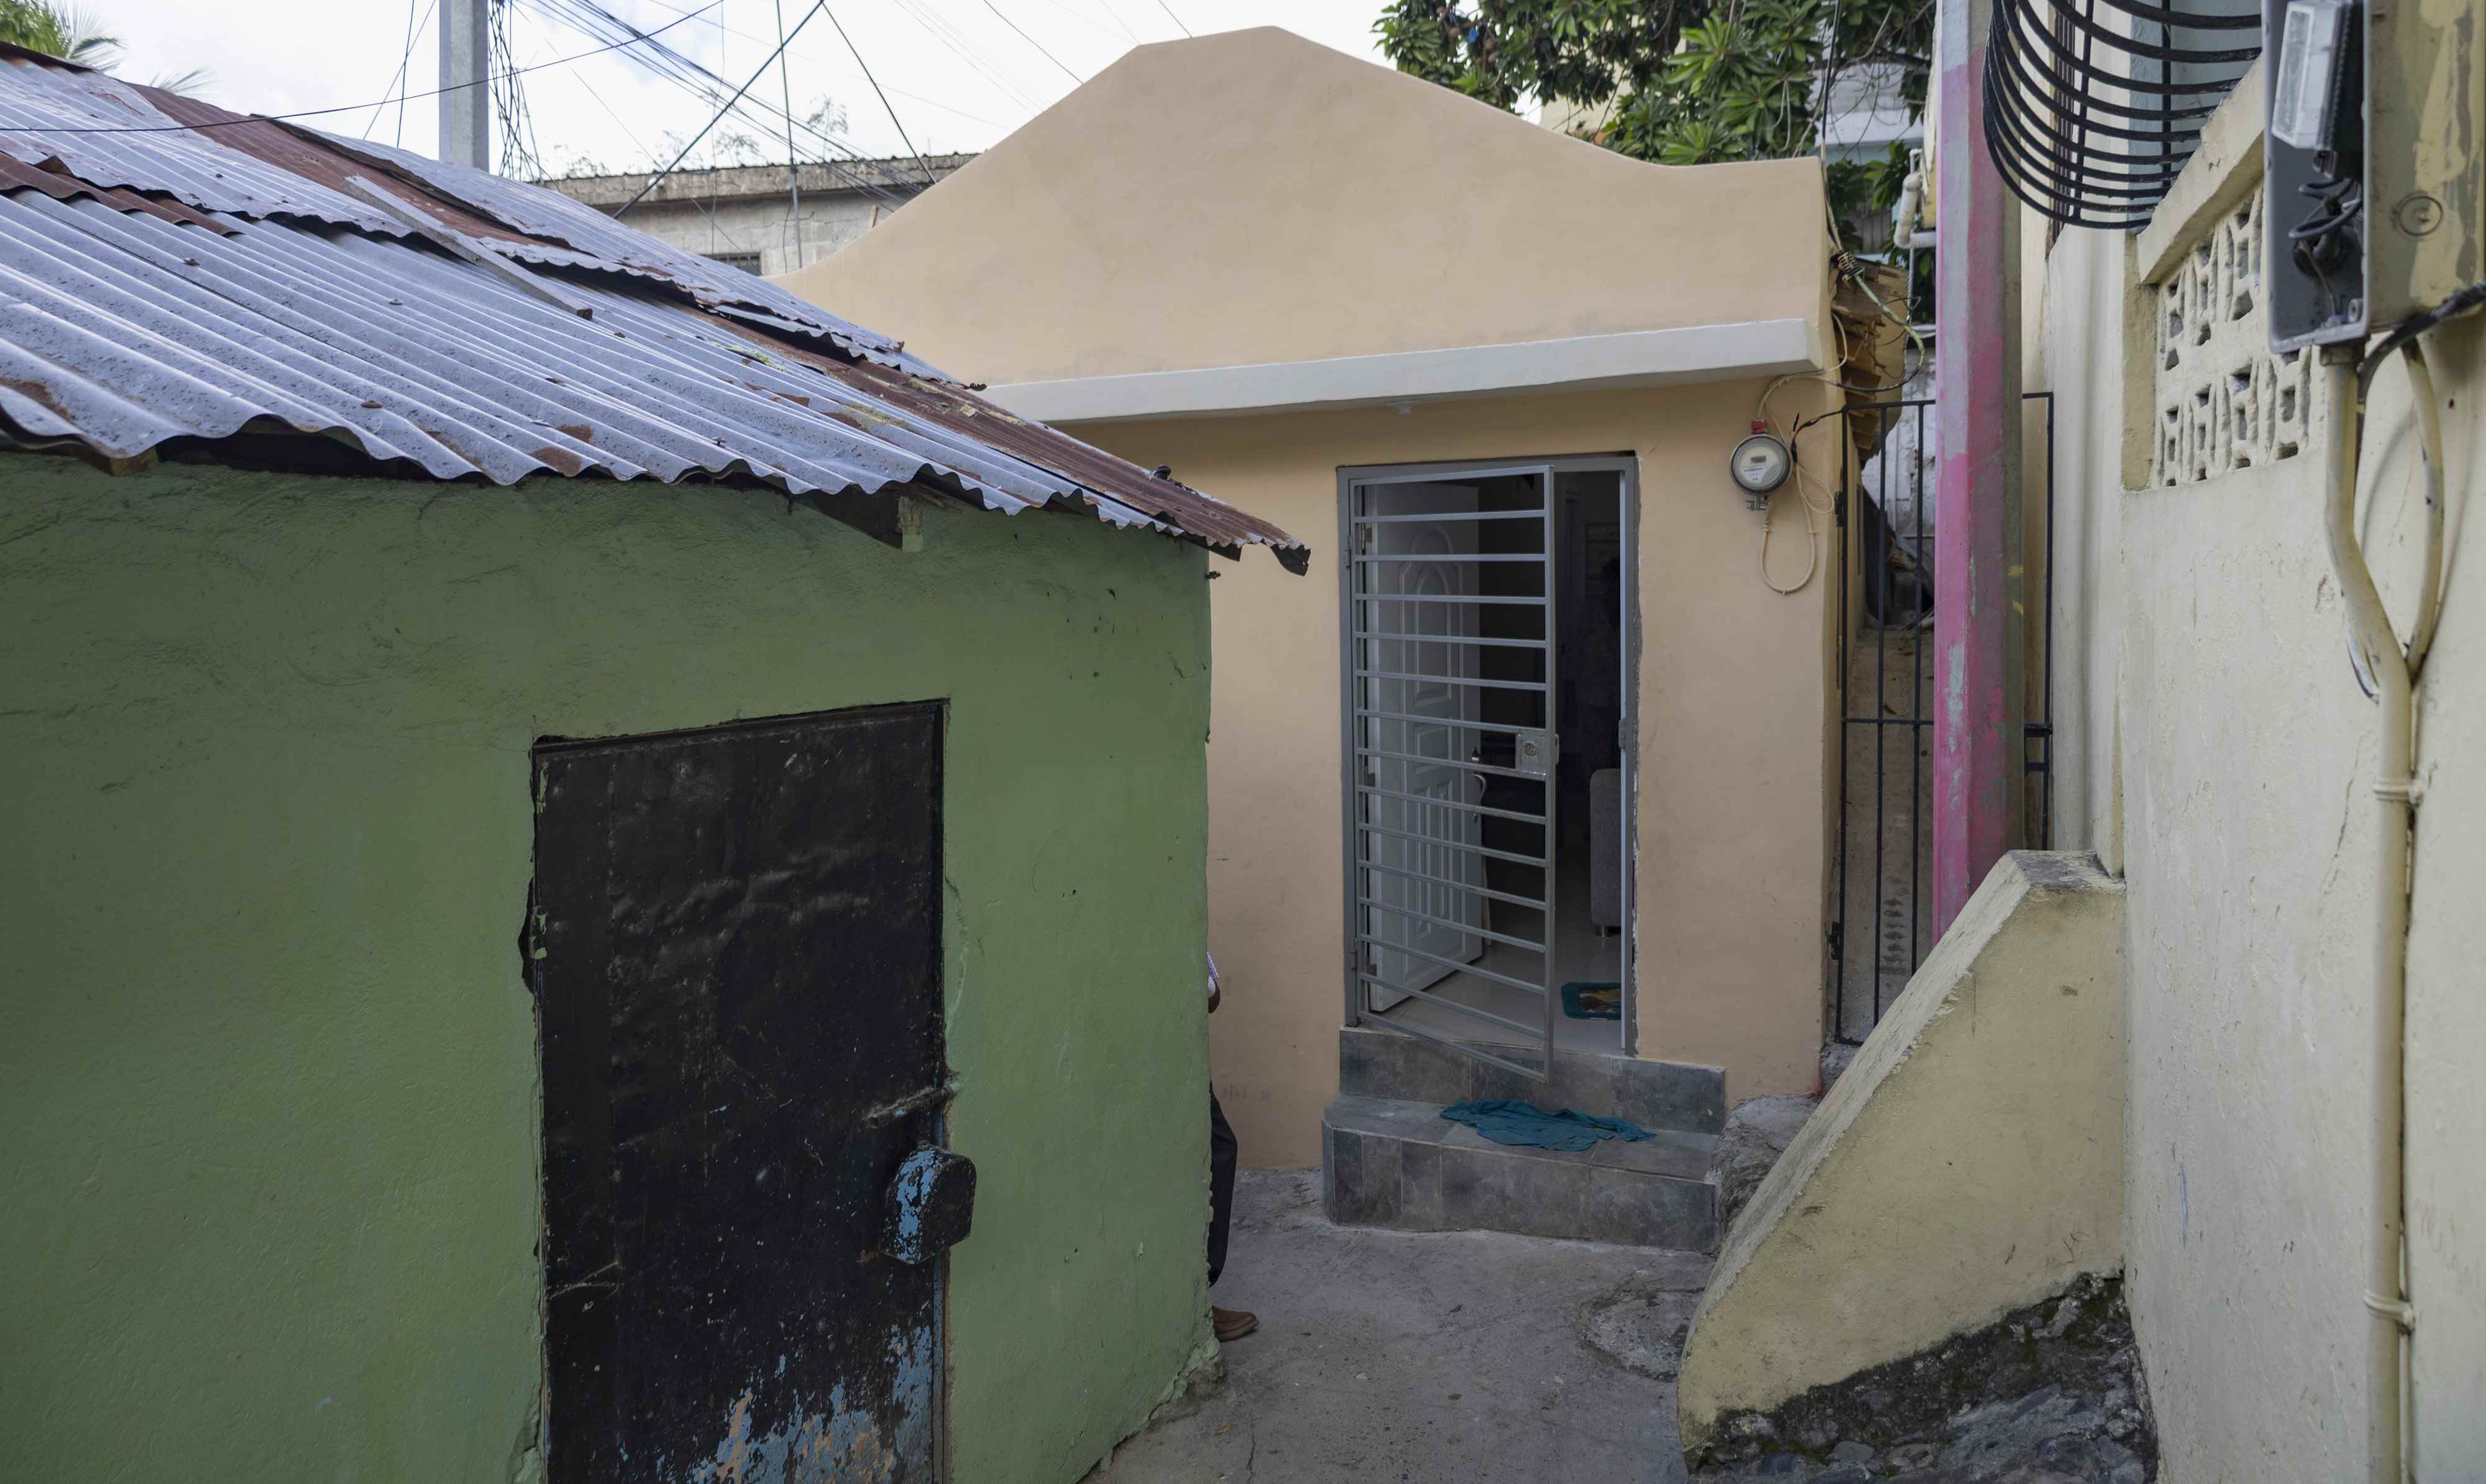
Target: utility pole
{"points": [[1979, 766], [466, 95]]}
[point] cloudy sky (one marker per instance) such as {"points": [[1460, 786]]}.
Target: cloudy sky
{"points": [[959, 73]]}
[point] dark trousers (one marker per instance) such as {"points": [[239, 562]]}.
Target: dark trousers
{"points": [[1221, 1185]]}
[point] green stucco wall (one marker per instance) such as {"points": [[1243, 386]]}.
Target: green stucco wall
{"points": [[270, 1090]]}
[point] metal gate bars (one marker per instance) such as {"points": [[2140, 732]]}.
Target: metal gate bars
{"points": [[1451, 697], [1881, 917]]}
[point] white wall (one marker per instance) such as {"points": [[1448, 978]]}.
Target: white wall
{"points": [[2084, 367], [2202, 689], [2250, 864], [2447, 1131]]}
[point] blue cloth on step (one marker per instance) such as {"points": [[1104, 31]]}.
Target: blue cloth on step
{"points": [[1510, 1121]]}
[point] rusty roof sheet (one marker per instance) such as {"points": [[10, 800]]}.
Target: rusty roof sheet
{"points": [[253, 277]]}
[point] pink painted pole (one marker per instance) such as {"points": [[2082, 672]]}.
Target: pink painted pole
{"points": [[1977, 748]]}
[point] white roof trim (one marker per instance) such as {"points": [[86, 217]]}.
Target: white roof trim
{"points": [[1640, 358]]}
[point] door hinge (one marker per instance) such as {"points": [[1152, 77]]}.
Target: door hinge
{"points": [[1838, 941], [1838, 507]]}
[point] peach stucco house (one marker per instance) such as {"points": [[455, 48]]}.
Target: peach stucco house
{"points": [[1503, 370]]}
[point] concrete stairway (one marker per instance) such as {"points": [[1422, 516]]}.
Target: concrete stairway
{"points": [[1389, 1158], [1969, 1164]]}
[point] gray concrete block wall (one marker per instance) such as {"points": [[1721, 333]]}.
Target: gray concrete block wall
{"points": [[739, 210]]}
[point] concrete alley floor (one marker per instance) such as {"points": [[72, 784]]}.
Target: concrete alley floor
{"points": [[1433, 1357]]}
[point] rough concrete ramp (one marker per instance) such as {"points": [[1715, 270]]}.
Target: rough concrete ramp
{"points": [[1968, 1163]]}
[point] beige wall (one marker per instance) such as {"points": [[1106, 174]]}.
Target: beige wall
{"points": [[1969, 1163], [2217, 743], [1733, 728], [2447, 1063], [1255, 197], [2083, 276]]}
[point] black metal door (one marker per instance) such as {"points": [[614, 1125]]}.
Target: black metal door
{"points": [[737, 954]]}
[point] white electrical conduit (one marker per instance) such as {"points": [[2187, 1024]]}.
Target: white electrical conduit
{"points": [[2429, 602], [2392, 1318]]}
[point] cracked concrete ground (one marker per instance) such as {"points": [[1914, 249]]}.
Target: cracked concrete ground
{"points": [[1433, 1357]]}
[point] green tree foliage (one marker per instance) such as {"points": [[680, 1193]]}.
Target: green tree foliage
{"points": [[73, 35], [1682, 82], [56, 29]]}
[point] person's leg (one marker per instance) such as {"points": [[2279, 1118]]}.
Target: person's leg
{"points": [[1221, 1185], [1229, 1324]]}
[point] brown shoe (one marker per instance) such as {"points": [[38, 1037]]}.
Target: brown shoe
{"points": [[1231, 1324]]}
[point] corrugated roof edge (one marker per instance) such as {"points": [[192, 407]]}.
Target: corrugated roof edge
{"points": [[871, 367]]}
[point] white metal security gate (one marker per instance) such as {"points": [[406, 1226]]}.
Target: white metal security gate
{"points": [[1449, 663]]}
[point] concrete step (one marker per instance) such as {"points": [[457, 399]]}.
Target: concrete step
{"points": [[1377, 1063], [1393, 1162]]}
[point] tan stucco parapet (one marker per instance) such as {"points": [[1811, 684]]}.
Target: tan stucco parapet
{"points": [[1254, 199]]}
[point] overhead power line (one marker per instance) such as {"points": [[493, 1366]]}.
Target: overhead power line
{"points": [[397, 80], [659, 177], [883, 97], [964, 48], [1119, 24], [321, 113], [1082, 17], [714, 224], [406, 73], [521, 153], [913, 97], [1033, 42], [1171, 16], [671, 66], [794, 161]]}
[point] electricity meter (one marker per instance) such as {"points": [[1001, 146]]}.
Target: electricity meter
{"points": [[2314, 50], [1760, 463], [2371, 164]]}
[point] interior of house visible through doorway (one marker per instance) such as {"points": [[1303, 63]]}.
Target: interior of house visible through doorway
{"points": [[1488, 663]]}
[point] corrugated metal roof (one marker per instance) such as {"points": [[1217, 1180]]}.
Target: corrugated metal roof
{"points": [[250, 279]]}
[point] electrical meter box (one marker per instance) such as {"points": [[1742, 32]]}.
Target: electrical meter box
{"points": [[2372, 160]]}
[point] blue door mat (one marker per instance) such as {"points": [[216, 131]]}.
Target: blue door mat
{"points": [[1593, 1000], [1512, 1121]]}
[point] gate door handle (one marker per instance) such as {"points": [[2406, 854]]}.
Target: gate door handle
{"points": [[931, 1205]]}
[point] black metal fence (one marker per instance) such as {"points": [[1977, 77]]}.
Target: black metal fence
{"points": [[1881, 923]]}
